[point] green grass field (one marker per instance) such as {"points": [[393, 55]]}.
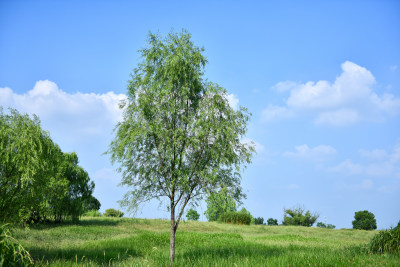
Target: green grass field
{"points": [[140, 242]]}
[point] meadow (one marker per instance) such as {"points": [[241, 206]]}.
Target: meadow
{"points": [[144, 242]]}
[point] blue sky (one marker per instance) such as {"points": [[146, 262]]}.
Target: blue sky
{"points": [[322, 80]]}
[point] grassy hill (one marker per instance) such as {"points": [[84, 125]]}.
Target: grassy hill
{"points": [[142, 242]]}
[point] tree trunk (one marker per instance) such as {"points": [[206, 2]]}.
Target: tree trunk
{"points": [[172, 238]]}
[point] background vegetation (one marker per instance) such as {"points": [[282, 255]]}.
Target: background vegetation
{"points": [[108, 241], [39, 182]]}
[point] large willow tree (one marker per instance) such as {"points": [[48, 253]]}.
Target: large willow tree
{"points": [[179, 138]]}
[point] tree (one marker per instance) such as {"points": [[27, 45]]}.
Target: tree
{"points": [[272, 221], [364, 220], [179, 139], [37, 180], [259, 220], [219, 203], [192, 215], [27, 160], [298, 216], [113, 213], [323, 225]]}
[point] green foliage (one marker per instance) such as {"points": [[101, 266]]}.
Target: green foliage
{"points": [[298, 216], [38, 181], [364, 220], [386, 241], [192, 215], [272, 221], [91, 203], [323, 225], [218, 203], [113, 213], [92, 213], [258, 220], [179, 138], [236, 217], [11, 251]]}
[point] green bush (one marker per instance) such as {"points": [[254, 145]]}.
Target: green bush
{"points": [[386, 241], [11, 252], [272, 221], [113, 213], [259, 220], [298, 216], [236, 218], [192, 215], [92, 213], [364, 220], [329, 226]]}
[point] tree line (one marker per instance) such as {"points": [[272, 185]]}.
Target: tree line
{"points": [[38, 181]]}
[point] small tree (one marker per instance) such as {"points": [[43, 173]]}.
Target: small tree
{"points": [[192, 215], [364, 220], [298, 216], [258, 220], [323, 225], [179, 139], [272, 221], [219, 203], [113, 213]]}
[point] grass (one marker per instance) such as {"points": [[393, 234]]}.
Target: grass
{"points": [[139, 242]]}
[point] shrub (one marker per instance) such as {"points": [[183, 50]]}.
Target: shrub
{"points": [[219, 203], [386, 241], [11, 252], [192, 215], [92, 213], [272, 221], [298, 216], [259, 220], [364, 220], [329, 226], [113, 213], [235, 218]]}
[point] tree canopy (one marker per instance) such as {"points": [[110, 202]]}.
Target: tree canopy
{"points": [[179, 138], [37, 180]]}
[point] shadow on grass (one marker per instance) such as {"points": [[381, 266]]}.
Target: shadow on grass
{"points": [[101, 256], [85, 222]]}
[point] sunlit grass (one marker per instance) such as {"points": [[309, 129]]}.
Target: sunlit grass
{"points": [[140, 242]]}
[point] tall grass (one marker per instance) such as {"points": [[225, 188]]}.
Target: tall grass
{"points": [[12, 253], [139, 242]]}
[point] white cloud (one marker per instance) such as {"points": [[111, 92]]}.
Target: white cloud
{"points": [[233, 101], [339, 117], [259, 147], [318, 153], [348, 167], [393, 67], [382, 164], [83, 114], [272, 112], [347, 100], [376, 154]]}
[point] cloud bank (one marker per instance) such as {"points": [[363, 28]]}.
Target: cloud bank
{"points": [[75, 114], [347, 100]]}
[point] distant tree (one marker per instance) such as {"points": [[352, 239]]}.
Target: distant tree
{"points": [[258, 220], [192, 215], [364, 220], [219, 203], [298, 216], [91, 203], [323, 225], [272, 221], [113, 213]]}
